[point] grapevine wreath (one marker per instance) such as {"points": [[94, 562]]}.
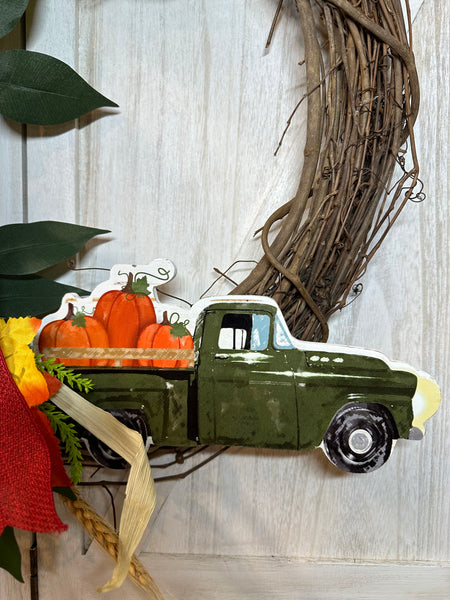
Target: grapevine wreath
{"points": [[362, 92], [362, 96]]}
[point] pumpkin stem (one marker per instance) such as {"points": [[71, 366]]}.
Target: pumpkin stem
{"points": [[78, 318], [70, 312], [165, 320], [128, 287]]}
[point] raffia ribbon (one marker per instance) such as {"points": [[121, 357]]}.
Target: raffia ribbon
{"points": [[140, 494]]}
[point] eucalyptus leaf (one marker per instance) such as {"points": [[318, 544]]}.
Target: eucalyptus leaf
{"points": [[10, 13], [10, 558], [27, 248], [67, 492], [39, 89], [32, 295]]}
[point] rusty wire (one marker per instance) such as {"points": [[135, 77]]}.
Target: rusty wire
{"points": [[363, 99]]}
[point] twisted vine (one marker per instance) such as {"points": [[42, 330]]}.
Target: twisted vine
{"points": [[363, 99]]}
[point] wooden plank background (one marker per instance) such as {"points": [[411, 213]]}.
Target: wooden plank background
{"points": [[185, 169]]}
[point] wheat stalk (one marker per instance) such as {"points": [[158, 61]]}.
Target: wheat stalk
{"points": [[102, 532]]}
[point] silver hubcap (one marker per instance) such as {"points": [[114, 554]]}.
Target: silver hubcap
{"points": [[360, 441]]}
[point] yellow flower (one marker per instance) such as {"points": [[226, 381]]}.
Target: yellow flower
{"points": [[15, 337]]}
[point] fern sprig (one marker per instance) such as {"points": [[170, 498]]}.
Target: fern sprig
{"points": [[65, 375], [66, 432]]}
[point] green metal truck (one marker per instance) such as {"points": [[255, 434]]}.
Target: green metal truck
{"points": [[252, 384]]}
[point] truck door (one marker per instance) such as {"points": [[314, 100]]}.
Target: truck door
{"points": [[246, 392]]}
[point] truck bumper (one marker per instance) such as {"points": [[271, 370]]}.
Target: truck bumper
{"points": [[425, 402], [415, 434]]}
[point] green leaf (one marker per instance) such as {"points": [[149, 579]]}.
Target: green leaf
{"points": [[39, 89], [140, 286], [68, 435], [32, 295], [11, 11], [67, 492], [63, 373], [179, 330], [31, 247], [79, 320], [10, 558]]}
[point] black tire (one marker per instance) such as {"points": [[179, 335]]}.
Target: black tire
{"points": [[359, 438], [102, 454]]}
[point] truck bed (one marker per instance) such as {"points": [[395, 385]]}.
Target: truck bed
{"points": [[165, 395]]}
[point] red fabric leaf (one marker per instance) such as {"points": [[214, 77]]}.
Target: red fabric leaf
{"points": [[52, 382], [26, 498]]}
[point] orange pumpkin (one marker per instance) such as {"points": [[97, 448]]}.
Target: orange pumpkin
{"points": [[186, 342], [75, 331], [165, 335], [124, 313]]}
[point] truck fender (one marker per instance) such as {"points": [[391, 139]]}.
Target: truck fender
{"points": [[134, 419]]}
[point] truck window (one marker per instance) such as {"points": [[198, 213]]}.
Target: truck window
{"points": [[241, 331]]}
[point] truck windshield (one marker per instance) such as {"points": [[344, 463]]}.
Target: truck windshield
{"points": [[282, 337], [243, 331]]}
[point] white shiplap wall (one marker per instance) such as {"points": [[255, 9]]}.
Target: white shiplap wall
{"points": [[185, 169], [11, 149]]}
